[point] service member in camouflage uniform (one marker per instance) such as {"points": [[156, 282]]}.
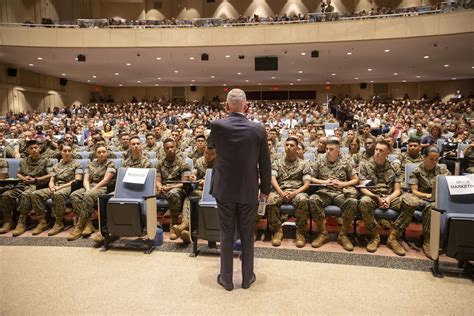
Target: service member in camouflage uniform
{"points": [[199, 172], [170, 169], [124, 145], [137, 159], [8, 150], [422, 181], [59, 189], [198, 148], [151, 145], [412, 155], [384, 194], [339, 178], [469, 157], [290, 178], [3, 169], [101, 142], [98, 174], [33, 170]]}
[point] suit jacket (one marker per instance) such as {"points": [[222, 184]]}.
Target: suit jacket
{"points": [[242, 158]]}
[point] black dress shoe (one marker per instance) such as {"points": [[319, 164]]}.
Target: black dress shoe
{"points": [[227, 287], [246, 285]]}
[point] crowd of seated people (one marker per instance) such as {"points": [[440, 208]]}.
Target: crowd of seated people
{"points": [[335, 147]]}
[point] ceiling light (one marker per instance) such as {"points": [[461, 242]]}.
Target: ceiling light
{"points": [[31, 65], [404, 81], [445, 66], [94, 76], [371, 81], [224, 84], [175, 71], [138, 81], [191, 84], [426, 57], [120, 84], [273, 77], [159, 78], [227, 56], [303, 54], [259, 84], [327, 82], [192, 58], [193, 80], [395, 73], [370, 69], [387, 50], [291, 83], [239, 73], [298, 79], [349, 53], [453, 78], [63, 74], [89, 80], [116, 73], [247, 80], [333, 74], [128, 64], [213, 77], [157, 84], [472, 67], [40, 58], [300, 71], [158, 58], [418, 76], [356, 78]]}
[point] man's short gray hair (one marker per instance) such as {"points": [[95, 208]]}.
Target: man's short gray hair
{"points": [[236, 98]]}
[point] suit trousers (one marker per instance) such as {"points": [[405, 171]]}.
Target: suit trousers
{"points": [[242, 215]]}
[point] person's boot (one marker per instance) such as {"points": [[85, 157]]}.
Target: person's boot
{"points": [[300, 237], [174, 221], [185, 236], [277, 236], [323, 236], [426, 248], [7, 223], [342, 238], [98, 238], [20, 226], [58, 226], [374, 242], [392, 243], [41, 227], [88, 230], [385, 224], [77, 231], [177, 229]]}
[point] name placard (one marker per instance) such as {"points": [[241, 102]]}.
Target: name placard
{"points": [[460, 185], [135, 175]]}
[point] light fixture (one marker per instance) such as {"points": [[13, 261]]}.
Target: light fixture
{"points": [[349, 53], [120, 84], [227, 56], [158, 58], [356, 78], [328, 82], [387, 50], [246, 80], [446, 66], [333, 74], [298, 79], [175, 71], [159, 78], [128, 64], [224, 84], [291, 83], [273, 77], [94, 76], [453, 78], [259, 84], [138, 81], [116, 73], [300, 71], [404, 81], [157, 84], [31, 65], [303, 54], [40, 58], [89, 80], [213, 77], [239, 73], [370, 69], [395, 73], [418, 76], [192, 58], [193, 80], [371, 81], [63, 74], [426, 57]]}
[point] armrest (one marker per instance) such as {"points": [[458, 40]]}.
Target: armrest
{"points": [[438, 210], [151, 196]]}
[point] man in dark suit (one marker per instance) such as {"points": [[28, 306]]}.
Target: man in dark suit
{"points": [[242, 158]]}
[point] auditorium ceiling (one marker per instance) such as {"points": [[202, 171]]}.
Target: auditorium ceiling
{"points": [[414, 59]]}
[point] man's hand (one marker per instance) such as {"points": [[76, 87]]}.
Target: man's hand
{"points": [[338, 184], [384, 202], [263, 197]]}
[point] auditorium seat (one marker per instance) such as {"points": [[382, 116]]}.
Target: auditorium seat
{"points": [[13, 167]]}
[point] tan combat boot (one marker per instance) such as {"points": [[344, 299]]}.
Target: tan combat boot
{"points": [[300, 237], [174, 221], [41, 227], [58, 226], [177, 229], [277, 236], [21, 226], [392, 243], [77, 231], [88, 230], [342, 238], [7, 223], [185, 236], [373, 243], [98, 238], [323, 236]]}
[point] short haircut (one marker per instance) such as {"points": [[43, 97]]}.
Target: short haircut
{"points": [[31, 143], [169, 140], [200, 136], [99, 139], [430, 149], [414, 139], [333, 141], [135, 137], [292, 139], [384, 142], [366, 125], [236, 96], [150, 134]]}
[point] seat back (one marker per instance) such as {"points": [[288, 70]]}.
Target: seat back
{"points": [[133, 190], [118, 154], [409, 167], [83, 162], [151, 154], [309, 156], [209, 228], [439, 143], [118, 162], [392, 157], [13, 167], [189, 162], [84, 154]]}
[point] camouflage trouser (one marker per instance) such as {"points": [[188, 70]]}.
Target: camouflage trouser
{"points": [[300, 202], [323, 198], [187, 203], [402, 204], [425, 208], [39, 197], [23, 194], [84, 203], [175, 198]]}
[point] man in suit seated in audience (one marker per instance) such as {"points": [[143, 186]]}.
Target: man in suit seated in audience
{"points": [[384, 194], [338, 176], [172, 168], [290, 178]]}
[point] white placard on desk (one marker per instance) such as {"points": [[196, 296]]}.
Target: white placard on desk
{"points": [[135, 175], [460, 185]]}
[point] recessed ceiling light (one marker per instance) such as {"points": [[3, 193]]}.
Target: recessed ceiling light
{"points": [[356, 78], [239, 73], [116, 73], [94, 76], [192, 80], [395, 73], [426, 57], [31, 65], [298, 79], [213, 77], [259, 84], [418, 76], [120, 84], [370, 69], [63, 74], [227, 56], [291, 83], [159, 78], [138, 81], [349, 53], [192, 58], [175, 71], [158, 58], [445, 66], [328, 82], [453, 78], [190, 84], [40, 58], [333, 74], [273, 77], [404, 81], [89, 80], [300, 71], [224, 84], [157, 84], [246, 80], [303, 54], [128, 64], [371, 81], [387, 50]]}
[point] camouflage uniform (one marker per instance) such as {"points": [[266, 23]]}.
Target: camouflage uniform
{"points": [[22, 148], [290, 176], [384, 178], [425, 179], [345, 198], [195, 155], [405, 159], [110, 155], [142, 162], [84, 202], [200, 166], [125, 151], [173, 171], [63, 172], [3, 167], [22, 192], [154, 148], [469, 159]]}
